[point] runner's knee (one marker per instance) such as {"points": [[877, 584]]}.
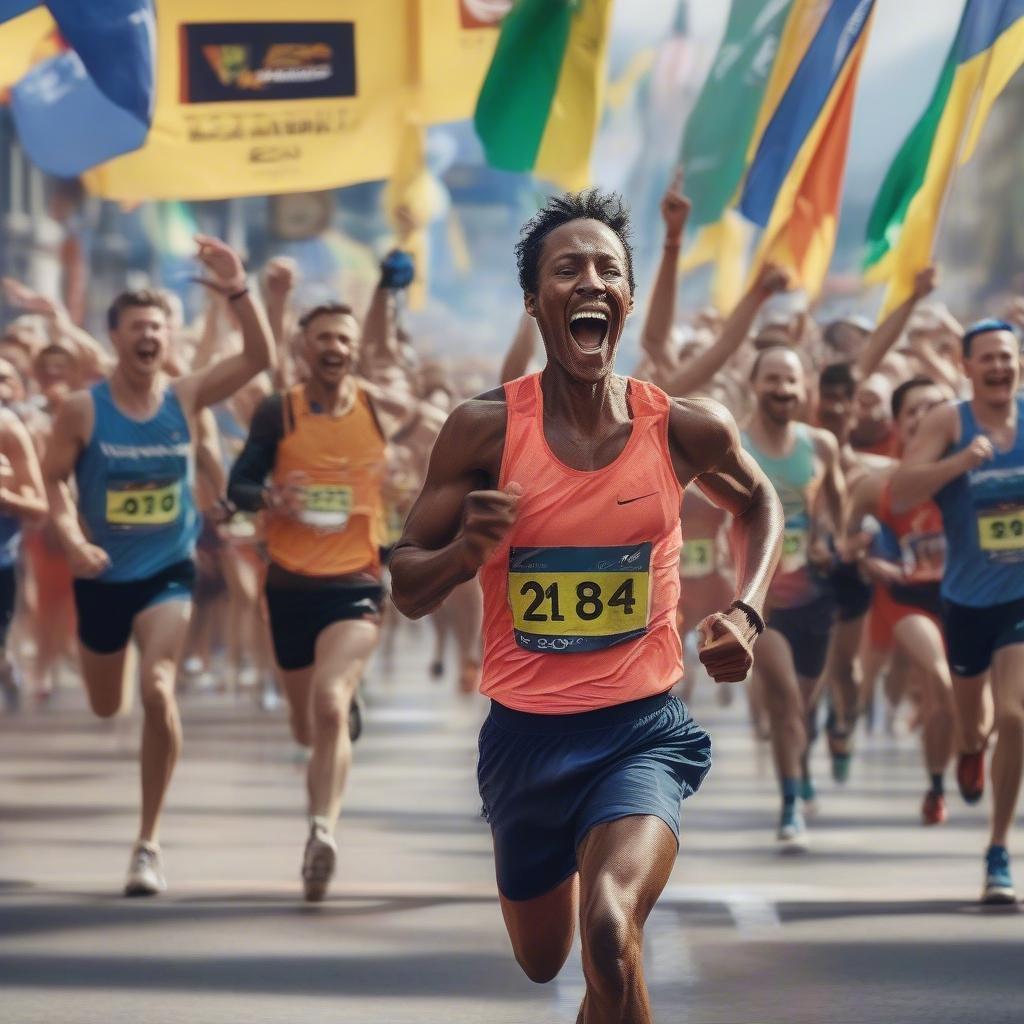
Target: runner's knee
{"points": [[104, 705], [330, 710], [158, 695], [611, 947]]}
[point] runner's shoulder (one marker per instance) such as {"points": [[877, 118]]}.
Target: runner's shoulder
{"points": [[474, 432], [701, 430]]}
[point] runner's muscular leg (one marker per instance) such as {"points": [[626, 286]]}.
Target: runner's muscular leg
{"points": [[921, 641], [104, 678], [341, 653], [783, 701], [972, 711], [1008, 756], [298, 686], [541, 929], [624, 866], [160, 631]]}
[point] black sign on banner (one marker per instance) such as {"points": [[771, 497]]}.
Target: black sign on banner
{"points": [[238, 61]]}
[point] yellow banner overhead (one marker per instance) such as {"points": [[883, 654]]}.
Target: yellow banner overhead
{"points": [[24, 40], [456, 40], [269, 97]]}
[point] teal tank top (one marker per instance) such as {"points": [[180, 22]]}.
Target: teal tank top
{"points": [[135, 482], [795, 479]]}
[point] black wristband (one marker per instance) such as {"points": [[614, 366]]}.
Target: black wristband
{"points": [[755, 620], [238, 294]]}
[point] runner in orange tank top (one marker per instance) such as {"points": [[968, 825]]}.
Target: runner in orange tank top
{"points": [[563, 491], [907, 566], [322, 444]]}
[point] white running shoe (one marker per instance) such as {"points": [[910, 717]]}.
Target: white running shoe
{"points": [[792, 833], [318, 863], [145, 871]]}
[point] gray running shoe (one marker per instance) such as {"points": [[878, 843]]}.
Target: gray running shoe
{"points": [[318, 864], [145, 871]]}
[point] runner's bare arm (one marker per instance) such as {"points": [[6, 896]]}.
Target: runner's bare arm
{"points": [[888, 332], [924, 471], [706, 448], [524, 344], [833, 486], [661, 312], [459, 517], [226, 376], [697, 372], [71, 430], [24, 495]]}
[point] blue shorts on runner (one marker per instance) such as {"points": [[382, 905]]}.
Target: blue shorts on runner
{"points": [[546, 780]]}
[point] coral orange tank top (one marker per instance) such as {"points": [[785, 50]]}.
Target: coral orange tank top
{"points": [[919, 535], [580, 599], [337, 462]]}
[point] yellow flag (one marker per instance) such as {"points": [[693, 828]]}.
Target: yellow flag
{"points": [[24, 41], [455, 41], [723, 244], [269, 97]]}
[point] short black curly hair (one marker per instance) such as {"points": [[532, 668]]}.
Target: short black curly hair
{"points": [[590, 204]]}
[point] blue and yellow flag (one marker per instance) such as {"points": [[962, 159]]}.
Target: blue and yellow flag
{"points": [[794, 183], [987, 52], [94, 100]]}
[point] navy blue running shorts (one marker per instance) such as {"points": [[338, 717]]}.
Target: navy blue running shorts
{"points": [[973, 635], [547, 780]]}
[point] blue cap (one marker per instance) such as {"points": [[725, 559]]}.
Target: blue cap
{"points": [[986, 326]]}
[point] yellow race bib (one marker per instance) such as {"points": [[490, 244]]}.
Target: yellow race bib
{"points": [[794, 549], [570, 600], [134, 504], [327, 506], [1001, 530], [697, 558]]}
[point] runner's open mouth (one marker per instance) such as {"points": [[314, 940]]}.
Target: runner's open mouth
{"points": [[589, 329]]}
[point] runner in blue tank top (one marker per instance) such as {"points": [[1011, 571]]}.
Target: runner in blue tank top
{"points": [[22, 500], [801, 462], [129, 442], [969, 456]]}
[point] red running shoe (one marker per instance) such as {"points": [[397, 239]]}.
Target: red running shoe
{"points": [[933, 810], [970, 776]]}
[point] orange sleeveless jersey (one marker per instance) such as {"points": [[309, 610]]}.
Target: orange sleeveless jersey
{"points": [[337, 461], [580, 599]]}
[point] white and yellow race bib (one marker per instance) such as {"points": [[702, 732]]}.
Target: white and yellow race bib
{"points": [[570, 600], [794, 549], [327, 506], [697, 558], [143, 504]]}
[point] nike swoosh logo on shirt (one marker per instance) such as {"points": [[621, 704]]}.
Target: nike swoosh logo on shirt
{"points": [[619, 501]]}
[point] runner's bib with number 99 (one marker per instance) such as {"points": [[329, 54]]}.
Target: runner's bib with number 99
{"points": [[570, 600], [131, 504], [1001, 533]]}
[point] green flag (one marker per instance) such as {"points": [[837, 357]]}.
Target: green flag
{"points": [[540, 104], [714, 149], [906, 173]]}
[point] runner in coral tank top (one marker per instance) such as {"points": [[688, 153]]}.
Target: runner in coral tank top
{"points": [[563, 491]]}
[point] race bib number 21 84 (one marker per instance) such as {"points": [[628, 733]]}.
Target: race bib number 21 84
{"points": [[571, 600]]}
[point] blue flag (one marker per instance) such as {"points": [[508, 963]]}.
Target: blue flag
{"points": [[95, 101]]}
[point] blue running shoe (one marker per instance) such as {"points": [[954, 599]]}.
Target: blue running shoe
{"points": [[998, 881], [792, 833]]}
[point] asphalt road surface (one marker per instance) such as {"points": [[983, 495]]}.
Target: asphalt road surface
{"points": [[878, 922]]}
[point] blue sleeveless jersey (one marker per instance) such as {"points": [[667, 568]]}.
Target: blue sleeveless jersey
{"points": [[983, 517], [135, 488], [10, 540]]}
